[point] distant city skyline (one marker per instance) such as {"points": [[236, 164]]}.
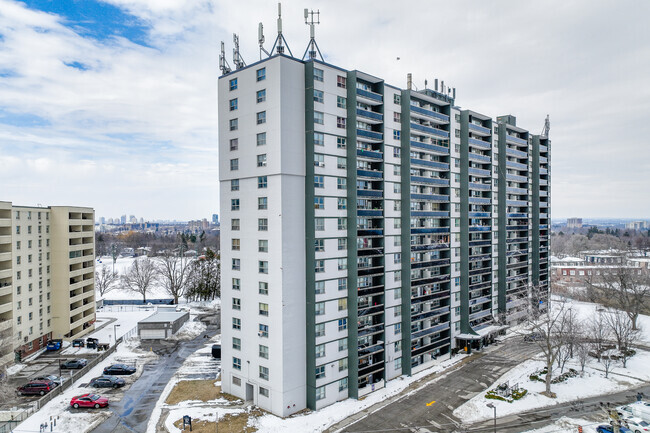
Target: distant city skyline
{"points": [[114, 101]]}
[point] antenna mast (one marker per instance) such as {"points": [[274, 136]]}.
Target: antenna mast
{"points": [[260, 38], [547, 127], [312, 47], [223, 64], [280, 41], [236, 56]]}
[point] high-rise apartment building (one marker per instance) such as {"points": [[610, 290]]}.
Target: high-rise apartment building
{"points": [[47, 276], [367, 230]]}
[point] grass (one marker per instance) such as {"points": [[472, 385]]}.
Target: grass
{"points": [[230, 423], [203, 390]]}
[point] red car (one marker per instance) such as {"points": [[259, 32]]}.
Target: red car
{"points": [[89, 400]]}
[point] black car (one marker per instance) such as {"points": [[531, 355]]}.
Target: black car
{"points": [[119, 369], [75, 364], [532, 337], [107, 382], [79, 342], [216, 351], [49, 378], [91, 343]]}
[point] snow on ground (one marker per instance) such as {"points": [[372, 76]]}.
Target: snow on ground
{"points": [[78, 421], [565, 424], [126, 321], [190, 330]]}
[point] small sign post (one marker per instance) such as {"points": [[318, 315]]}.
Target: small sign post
{"points": [[187, 420]]}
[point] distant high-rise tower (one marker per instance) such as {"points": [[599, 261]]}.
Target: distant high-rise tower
{"points": [[574, 223], [215, 219]]}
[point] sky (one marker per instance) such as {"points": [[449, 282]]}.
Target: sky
{"points": [[113, 104]]}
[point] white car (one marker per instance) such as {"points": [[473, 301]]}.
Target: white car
{"points": [[637, 425]]}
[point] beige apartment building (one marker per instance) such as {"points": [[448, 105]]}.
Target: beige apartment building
{"points": [[47, 271]]}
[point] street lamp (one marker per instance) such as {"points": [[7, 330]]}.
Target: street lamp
{"points": [[115, 333], [490, 405]]}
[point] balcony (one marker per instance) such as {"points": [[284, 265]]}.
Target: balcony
{"points": [[480, 172], [429, 130], [432, 147], [516, 165], [4, 325], [369, 97], [369, 135], [425, 213], [420, 230], [370, 115], [518, 203], [516, 140], [370, 193], [5, 308], [432, 164], [370, 232], [479, 200], [479, 215], [5, 256], [480, 130], [478, 157], [430, 180], [375, 174], [6, 273], [370, 154], [514, 190], [479, 228], [516, 178], [516, 153], [481, 186], [430, 197], [437, 117], [481, 144]]}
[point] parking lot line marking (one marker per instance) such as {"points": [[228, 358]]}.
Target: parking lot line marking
{"points": [[430, 403]]}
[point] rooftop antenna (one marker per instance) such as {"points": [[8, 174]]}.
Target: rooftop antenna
{"points": [[547, 127], [223, 63], [312, 47], [260, 39], [280, 41], [236, 56]]}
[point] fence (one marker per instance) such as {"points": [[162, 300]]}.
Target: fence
{"points": [[8, 425]]}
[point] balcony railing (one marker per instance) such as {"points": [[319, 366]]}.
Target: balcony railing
{"points": [[480, 129], [482, 144], [429, 130], [432, 147], [370, 95], [430, 113]]}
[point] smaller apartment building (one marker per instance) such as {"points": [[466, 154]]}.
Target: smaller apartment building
{"points": [[46, 276]]}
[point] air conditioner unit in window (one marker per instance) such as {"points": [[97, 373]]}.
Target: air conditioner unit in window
{"points": [[320, 164]]}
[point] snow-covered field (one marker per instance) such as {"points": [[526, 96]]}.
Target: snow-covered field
{"points": [[122, 265], [592, 383]]}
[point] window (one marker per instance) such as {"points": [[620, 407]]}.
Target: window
{"points": [[263, 351], [319, 287], [341, 81], [320, 372], [234, 143], [263, 246], [398, 364], [343, 344], [343, 384], [262, 224], [397, 258], [341, 183], [261, 74], [235, 244], [319, 139], [342, 223], [319, 202], [340, 143], [261, 160], [236, 264], [320, 330], [17, 230], [319, 308], [319, 224], [341, 163], [234, 224], [343, 324], [234, 204], [233, 104], [319, 160], [320, 350], [396, 135], [263, 267], [236, 323], [263, 288], [318, 75], [236, 363], [234, 164], [234, 124], [343, 284], [396, 152], [320, 393], [17, 245], [233, 84], [261, 139], [264, 392], [236, 343], [342, 264], [234, 185], [398, 328], [340, 122], [319, 245], [264, 373], [398, 346], [236, 381], [17, 260], [319, 266], [343, 244], [263, 331], [319, 117], [319, 182], [397, 276], [263, 309], [236, 284], [318, 96], [343, 304], [397, 117], [341, 102], [262, 182], [261, 95], [342, 203], [236, 304], [261, 117]]}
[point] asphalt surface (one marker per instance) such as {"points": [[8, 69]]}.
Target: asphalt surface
{"points": [[410, 413], [131, 414]]}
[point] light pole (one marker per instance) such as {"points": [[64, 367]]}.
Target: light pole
{"points": [[495, 415], [115, 333]]}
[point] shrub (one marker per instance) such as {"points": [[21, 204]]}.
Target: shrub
{"points": [[517, 394]]}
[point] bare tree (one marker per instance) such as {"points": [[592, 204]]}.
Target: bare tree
{"points": [[599, 333], [205, 279], [582, 350], [608, 362], [105, 280], [621, 328], [174, 274], [570, 334], [140, 277], [6, 347]]}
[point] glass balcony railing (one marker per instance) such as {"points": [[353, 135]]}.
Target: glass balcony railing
{"points": [[477, 157], [430, 197], [480, 143], [478, 128], [430, 113], [370, 114], [514, 152], [516, 165], [370, 154], [429, 180], [433, 147], [516, 140], [479, 172], [429, 130], [434, 164], [370, 95], [370, 134]]}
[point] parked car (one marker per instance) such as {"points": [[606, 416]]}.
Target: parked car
{"points": [[606, 428], [216, 351], [89, 400], [53, 345], [40, 387], [79, 342], [532, 337], [637, 425], [638, 409], [75, 364], [107, 382], [91, 343], [119, 369], [49, 378]]}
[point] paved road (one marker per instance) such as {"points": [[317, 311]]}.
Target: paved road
{"points": [[132, 413]]}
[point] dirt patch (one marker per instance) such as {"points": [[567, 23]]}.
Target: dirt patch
{"points": [[202, 390], [228, 424]]}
